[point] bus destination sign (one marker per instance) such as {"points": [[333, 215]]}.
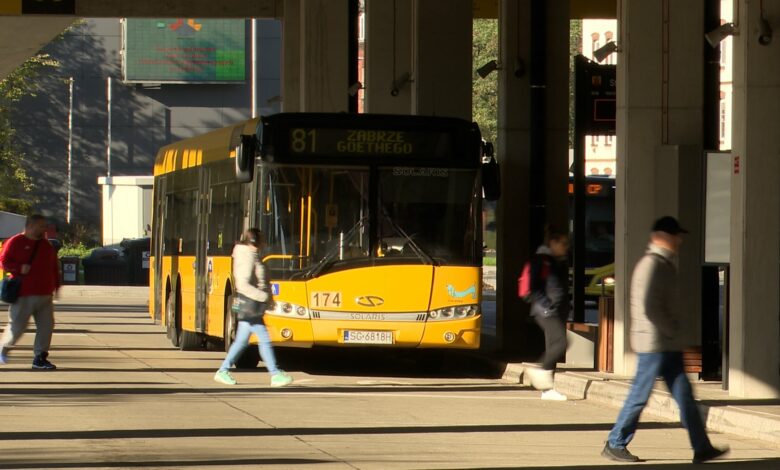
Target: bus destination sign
{"points": [[368, 142]]}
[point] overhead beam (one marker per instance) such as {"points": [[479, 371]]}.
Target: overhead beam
{"points": [[146, 8]]}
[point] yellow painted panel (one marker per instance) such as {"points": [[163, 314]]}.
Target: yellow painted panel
{"points": [[10, 7], [454, 285], [400, 288], [302, 333], [187, 276], [331, 332], [467, 332], [219, 275]]}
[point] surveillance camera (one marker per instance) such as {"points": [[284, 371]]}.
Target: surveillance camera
{"points": [[487, 69], [399, 83], [720, 33], [604, 51], [764, 32]]}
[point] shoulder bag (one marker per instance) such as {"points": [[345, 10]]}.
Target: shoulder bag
{"points": [[10, 286], [248, 310]]}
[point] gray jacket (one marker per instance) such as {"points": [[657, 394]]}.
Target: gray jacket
{"points": [[249, 273], [654, 325]]}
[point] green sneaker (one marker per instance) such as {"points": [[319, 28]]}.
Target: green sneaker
{"points": [[224, 377], [280, 379]]}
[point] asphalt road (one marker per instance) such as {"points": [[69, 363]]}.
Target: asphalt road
{"points": [[124, 398]]}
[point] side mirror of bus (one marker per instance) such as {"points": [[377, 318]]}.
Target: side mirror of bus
{"points": [[491, 175], [245, 158]]}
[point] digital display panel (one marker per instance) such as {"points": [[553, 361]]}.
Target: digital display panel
{"points": [[368, 142], [184, 50]]}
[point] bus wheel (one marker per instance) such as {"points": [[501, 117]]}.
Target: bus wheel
{"points": [[229, 333], [190, 341], [170, 321]]}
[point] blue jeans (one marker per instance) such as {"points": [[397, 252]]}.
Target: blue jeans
{"points": [[243, 331], [668, 365]]}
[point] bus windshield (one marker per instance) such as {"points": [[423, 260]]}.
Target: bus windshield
{"points": [[428, 214], [312, 216], [318, 219]]}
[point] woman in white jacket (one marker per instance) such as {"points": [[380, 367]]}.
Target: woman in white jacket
{"points": [[251, 283]]}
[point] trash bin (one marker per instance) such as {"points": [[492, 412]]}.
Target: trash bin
{"points": [[137, 254], [70, 269], [105, 267]]}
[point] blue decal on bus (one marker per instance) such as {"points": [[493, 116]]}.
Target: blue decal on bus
{"points": [[459, 295], [275, 288]]}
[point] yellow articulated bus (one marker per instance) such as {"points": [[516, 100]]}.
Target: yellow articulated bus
{"points": [[373, 229]]}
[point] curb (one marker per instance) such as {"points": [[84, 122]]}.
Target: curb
{"points": [[722, 419]]}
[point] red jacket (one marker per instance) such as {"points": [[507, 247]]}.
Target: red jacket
{"points": [[44, 275]]}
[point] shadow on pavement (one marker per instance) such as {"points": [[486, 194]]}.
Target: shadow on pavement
{"points": [[721, 464], [323, 431], [163, 463]]}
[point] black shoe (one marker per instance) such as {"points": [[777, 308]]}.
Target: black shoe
{"points": [[40, 363], [618, 454], [709, 454]]}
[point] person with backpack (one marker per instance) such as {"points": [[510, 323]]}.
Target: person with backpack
{"points": [[545, 285]]}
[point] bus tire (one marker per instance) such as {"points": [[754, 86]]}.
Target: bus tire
{"points": [[170, 321], [190, 340], [229, 333]]}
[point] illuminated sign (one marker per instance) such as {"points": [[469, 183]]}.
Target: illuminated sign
{"points": [[365, 142], [184, 50], [591, 189]]}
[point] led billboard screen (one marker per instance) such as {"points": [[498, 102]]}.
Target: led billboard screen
{"points": [[184, 50]]}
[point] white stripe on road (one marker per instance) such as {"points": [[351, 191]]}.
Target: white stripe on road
{"points": [[398, 395]]}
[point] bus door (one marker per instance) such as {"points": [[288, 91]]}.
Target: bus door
{"points": [[158, 248], [202, 263]]}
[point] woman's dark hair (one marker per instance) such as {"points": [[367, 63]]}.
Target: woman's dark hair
{"points": [[252, 237], [553, 233]]}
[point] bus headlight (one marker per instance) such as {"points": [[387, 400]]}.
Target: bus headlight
{"points": [[453, 313], [287, 309]]}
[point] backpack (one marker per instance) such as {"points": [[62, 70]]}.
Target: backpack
{"points": [[526, 280]]}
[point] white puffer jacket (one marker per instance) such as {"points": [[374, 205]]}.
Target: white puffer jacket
{"points": [[249, 273]]}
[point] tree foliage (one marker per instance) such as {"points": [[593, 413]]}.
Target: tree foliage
{"points": [[16, 187], [485, 90]]}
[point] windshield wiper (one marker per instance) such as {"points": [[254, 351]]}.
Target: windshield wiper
{"points": [[327, 260], [425, 257]]}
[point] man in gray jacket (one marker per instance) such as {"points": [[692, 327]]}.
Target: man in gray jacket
{"points": [[655, 337]]}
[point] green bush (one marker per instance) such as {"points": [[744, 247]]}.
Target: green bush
{"points": [[74, 249], [489, 261]]}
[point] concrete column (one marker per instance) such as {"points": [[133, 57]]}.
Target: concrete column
{"points": [[514, 154], [442, 58], [660, 85], [315, 64], [754, 350], [389, 57]]}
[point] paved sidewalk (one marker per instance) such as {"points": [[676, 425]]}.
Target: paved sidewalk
{"points": [[753, 419], [750, 418]]}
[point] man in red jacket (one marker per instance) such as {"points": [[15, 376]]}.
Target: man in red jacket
{"points": [[31, 256]]}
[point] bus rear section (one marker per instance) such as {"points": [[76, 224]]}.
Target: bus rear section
{"points": [[404, 306]]}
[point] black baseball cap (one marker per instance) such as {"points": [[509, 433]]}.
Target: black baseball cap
{"points": [[669, 225]]}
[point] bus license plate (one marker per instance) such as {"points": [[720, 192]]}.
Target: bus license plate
{"points": [[368, 337]]}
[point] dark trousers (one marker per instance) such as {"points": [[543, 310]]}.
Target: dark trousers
{"points": [[554, 340], [668, 365]]}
